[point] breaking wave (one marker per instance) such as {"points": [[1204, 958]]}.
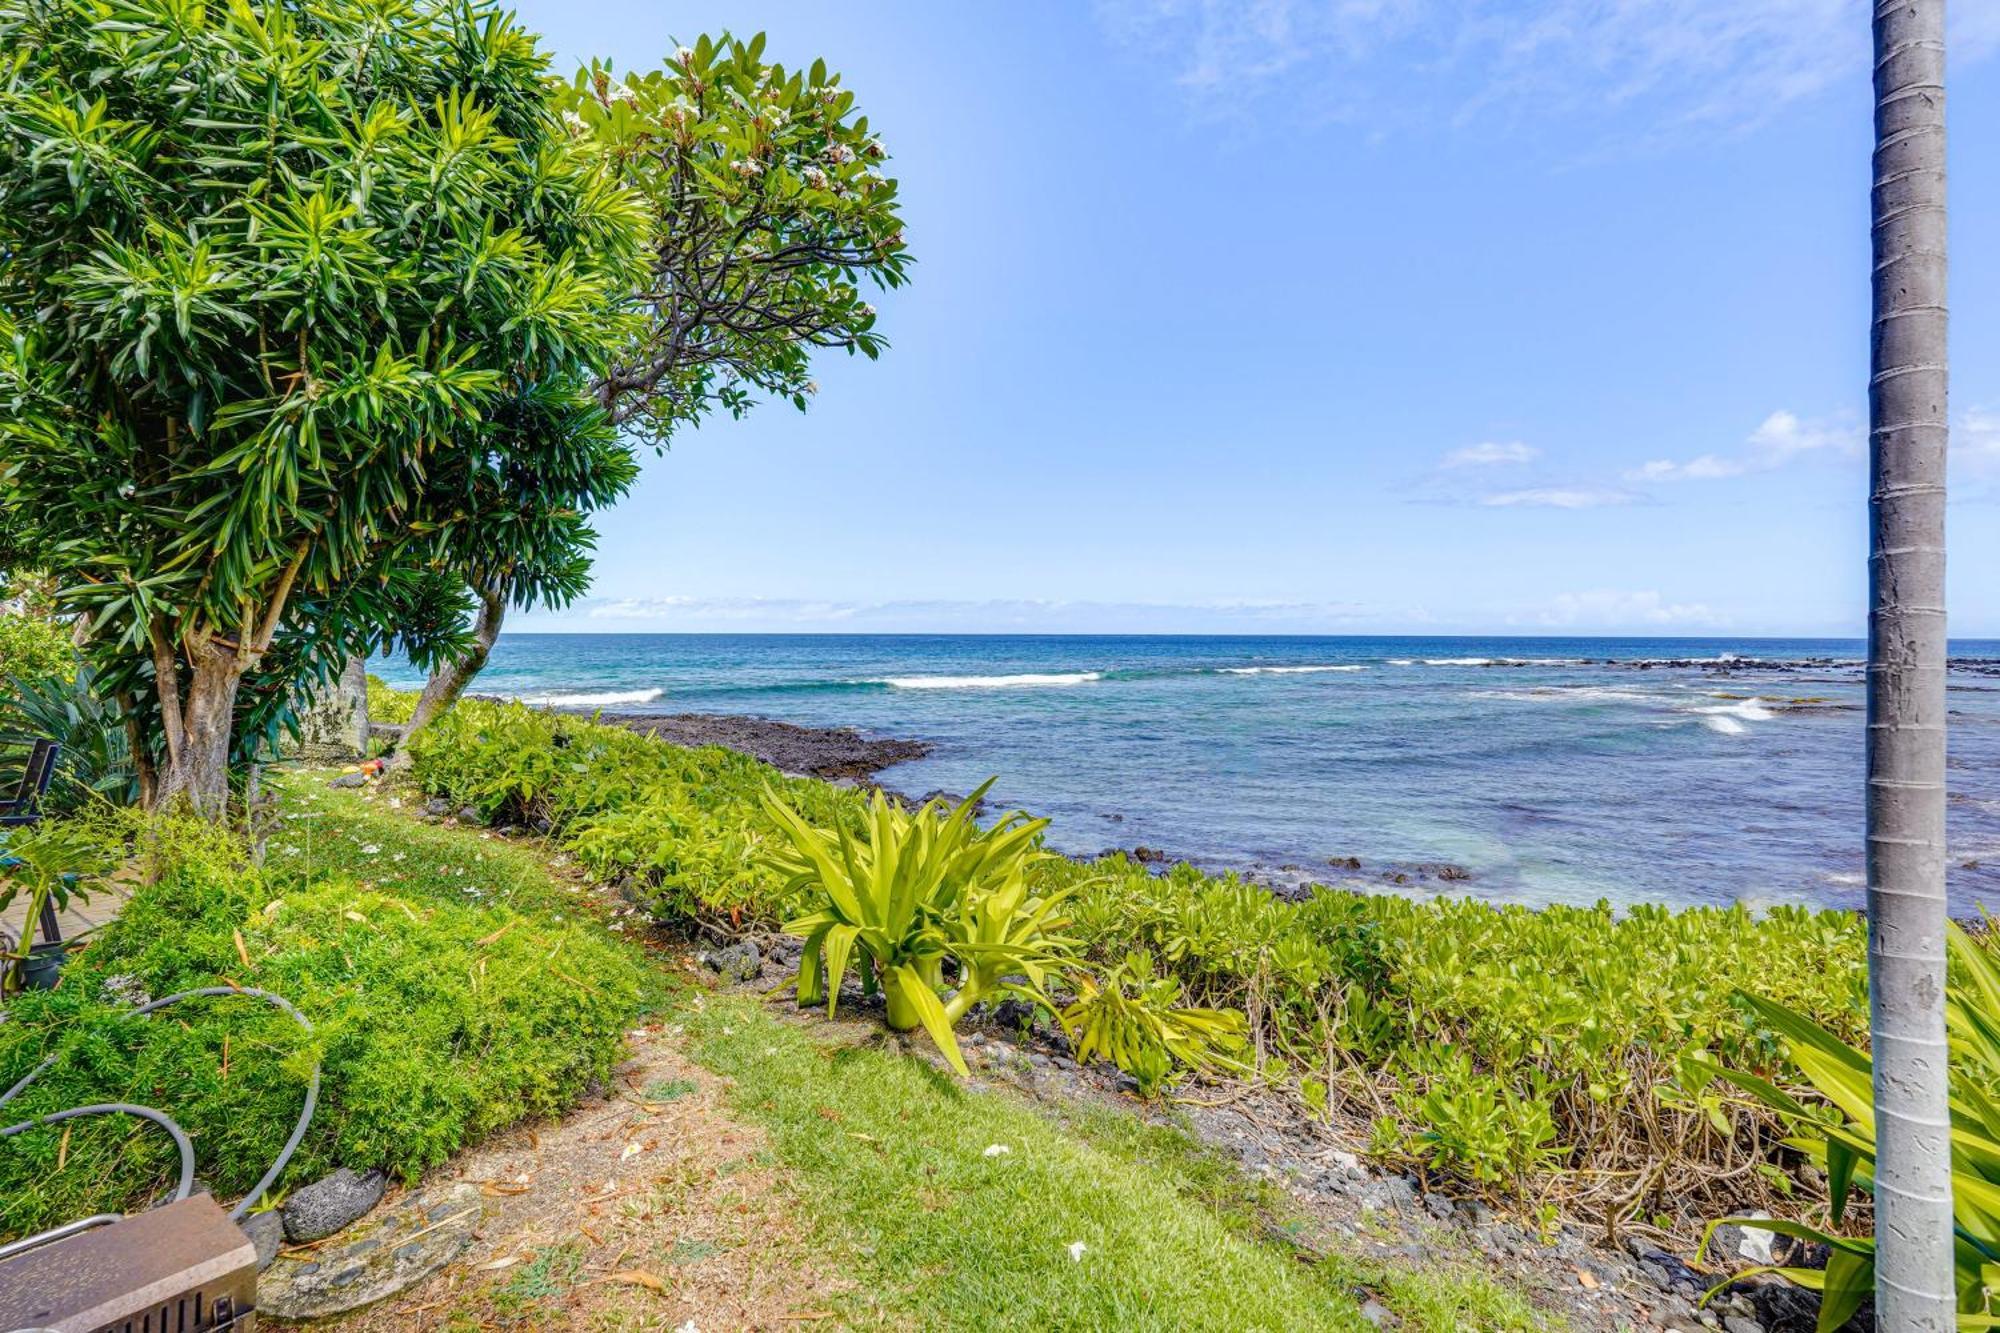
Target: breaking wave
{"points": [[583, 699], [1285, 670], [988, 682]]}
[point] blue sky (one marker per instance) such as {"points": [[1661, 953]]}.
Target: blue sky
{"points": [[1429, 316]]}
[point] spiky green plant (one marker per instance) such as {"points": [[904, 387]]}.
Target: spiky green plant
{"points": [[916, 890], [1842, 1141], [1134, 1018]]}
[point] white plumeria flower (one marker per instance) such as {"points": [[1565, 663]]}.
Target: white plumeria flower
{"points": [[685, 55], [996, 1150], [369, 849], [1076, 1249]]}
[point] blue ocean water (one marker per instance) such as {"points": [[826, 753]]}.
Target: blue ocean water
{"points": [[1554, 770]]}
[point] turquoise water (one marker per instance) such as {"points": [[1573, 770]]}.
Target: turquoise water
{"points": [[1552, 769]]}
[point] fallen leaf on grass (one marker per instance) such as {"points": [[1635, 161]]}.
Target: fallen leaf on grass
{"points": [[497, 1188], [639, 1277], [1586, 1278], [505, 1261]]}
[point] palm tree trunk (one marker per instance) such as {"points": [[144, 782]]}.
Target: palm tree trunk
{"points": [[449, 680], [1906, 675]]}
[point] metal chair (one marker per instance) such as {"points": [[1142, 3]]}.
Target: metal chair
{"points": [[25, 807]]}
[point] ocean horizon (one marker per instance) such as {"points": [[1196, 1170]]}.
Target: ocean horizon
{"points": [[1543, 769]]}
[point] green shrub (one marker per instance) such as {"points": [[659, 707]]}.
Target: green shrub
{"points": [[685, 826], [34, 646], [435, 1022], [387, 704]]}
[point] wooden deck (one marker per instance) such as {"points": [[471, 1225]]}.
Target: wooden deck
{"points": [[81, 918]]}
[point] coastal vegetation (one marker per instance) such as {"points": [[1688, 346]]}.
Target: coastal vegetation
{"points": [[1561, 1056], [452, 991], [484, 985]]}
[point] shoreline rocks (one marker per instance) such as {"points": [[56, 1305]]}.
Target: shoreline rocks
{"points": [[817, 752]]}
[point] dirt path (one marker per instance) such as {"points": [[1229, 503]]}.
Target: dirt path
{"points": [[649, 1208]]}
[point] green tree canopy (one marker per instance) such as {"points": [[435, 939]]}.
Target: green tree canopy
{"points": [[768, 209], [304, 302], [767, 212]]}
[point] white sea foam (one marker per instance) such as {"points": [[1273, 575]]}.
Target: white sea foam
{"points": [[1285, 670], [1573, 694], [1729, 718], [586, 699], [990, 682], [1401, 661], [1499, 661]]}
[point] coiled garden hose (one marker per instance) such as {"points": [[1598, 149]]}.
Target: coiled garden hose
{"points": [[164, 1121]]}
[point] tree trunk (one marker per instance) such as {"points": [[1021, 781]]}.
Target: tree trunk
{"points": [[1906, 676], [441, 691], [196, 772]]}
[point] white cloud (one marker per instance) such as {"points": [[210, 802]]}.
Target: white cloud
{"points": [[1607, 610], [1491, 453], [1670, 64], [1783, 437], [1976, 440], [1558, 497]]}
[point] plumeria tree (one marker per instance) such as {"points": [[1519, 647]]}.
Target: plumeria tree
{"points": [[301, 301], [768, 214]]}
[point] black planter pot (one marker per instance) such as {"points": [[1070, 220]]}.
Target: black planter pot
{"points": [[43, 966]]}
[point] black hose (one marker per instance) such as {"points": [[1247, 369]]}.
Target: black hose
{"points": [[160, 1118]]}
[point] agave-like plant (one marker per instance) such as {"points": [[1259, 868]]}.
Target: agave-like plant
{"points": [[96, 755], [1843, 1145], [921, 888], [1135, 1019]]}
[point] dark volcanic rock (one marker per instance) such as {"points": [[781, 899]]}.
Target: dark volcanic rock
{"points": [[738, 962], [331, 1202], [820, 752], [267, 1232]]}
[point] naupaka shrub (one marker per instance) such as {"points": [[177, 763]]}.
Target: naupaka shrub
{"points": [[1499, 1045]]}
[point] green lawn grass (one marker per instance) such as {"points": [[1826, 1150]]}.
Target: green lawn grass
{"points": [[897, 1162]]}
